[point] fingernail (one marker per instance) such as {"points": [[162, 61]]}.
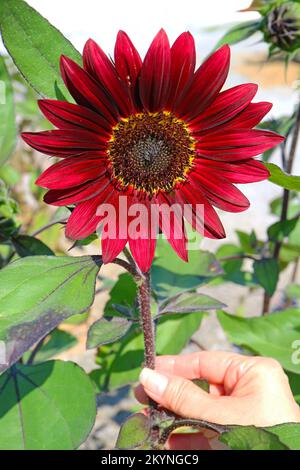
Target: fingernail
{"points": [[153, 381]]}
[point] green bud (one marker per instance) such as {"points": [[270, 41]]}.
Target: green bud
{"points": [[281, 27]]}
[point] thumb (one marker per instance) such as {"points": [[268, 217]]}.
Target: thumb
{"points": [[177, 394]]}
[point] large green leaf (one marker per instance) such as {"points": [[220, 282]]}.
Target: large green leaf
{"points": [[121, 362], [239, 33], [35, 46], [37, 293], [171, 275], [57, 342], [283, 179], [280, 437], [251, 438], [49, 406], [272, 335], [25, 245], [288, 433], [8, 131]]}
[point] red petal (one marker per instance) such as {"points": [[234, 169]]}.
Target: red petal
{"points": [[183, 61], [113, 243], [155, 73], [225, 107], [84, 220], [72, 116], [65, 143], [205, 86], [239, 144], [86, 91], [128, 62], [189, 197], [83, 192], [72, 172], [173, 226], [142, 239], [220, 192], [250, 116], [249, 171], [98, 65]]}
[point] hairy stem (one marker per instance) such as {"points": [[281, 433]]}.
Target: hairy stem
{"points": [[288, 167], [147, 323], [148, 327]]}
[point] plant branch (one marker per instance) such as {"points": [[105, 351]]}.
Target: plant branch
{"points": [[191, 423], [49, 225]]}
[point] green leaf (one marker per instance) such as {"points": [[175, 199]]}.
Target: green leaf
{"points": [[105, 331], [282, 179], [8, 130], [233, 267], [49, 406], [26, 245], [123, 294], [58, 342], [121, 362], [171, 275], [134, 432], [288, 433], [238, 33], [281, 229], [37, 293], [35, 46], [202, 383], [188, 302], [266, 272], [273, 335], [248, 241], [251, 438], [294, 381]]}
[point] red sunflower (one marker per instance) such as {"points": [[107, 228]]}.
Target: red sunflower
{"points": [[155, 131]]}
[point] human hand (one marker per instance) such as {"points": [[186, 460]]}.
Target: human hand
{"points": [[244, 390]]}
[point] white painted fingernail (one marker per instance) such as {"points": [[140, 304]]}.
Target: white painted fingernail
{"points": [[153, 381]]}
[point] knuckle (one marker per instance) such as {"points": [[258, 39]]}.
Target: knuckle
{"points": [[269, 365], [177, 394]]}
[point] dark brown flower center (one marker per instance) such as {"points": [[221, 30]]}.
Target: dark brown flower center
{"points": [[151, 151]]}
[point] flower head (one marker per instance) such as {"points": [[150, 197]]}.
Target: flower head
{"points": [[157, 132]]}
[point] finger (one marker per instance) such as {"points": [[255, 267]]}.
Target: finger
{"points": [[142, 396], [177, 394], [209, 365], [186, 399], [188, 441]]}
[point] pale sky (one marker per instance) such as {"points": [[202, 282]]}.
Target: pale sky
{"points": [[101, 19]]}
